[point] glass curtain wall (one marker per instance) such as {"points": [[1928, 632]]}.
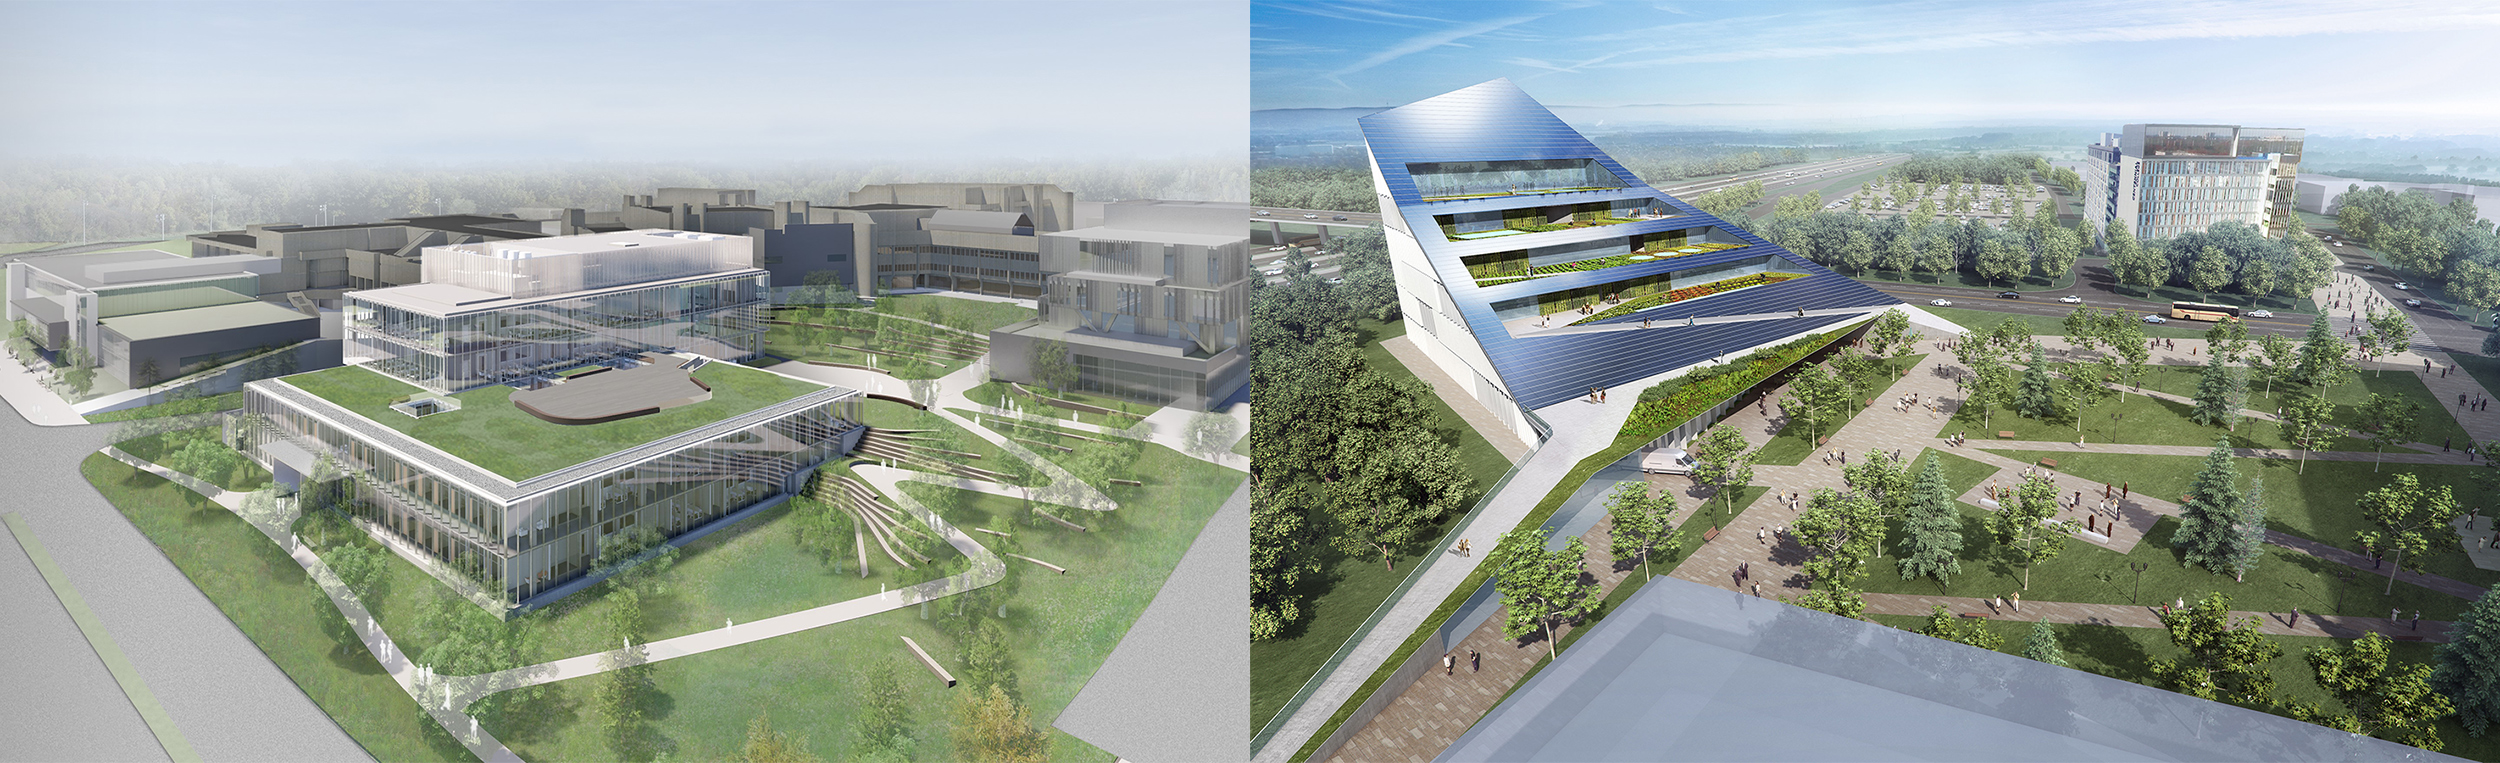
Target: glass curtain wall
{"points": [[721, 318]]}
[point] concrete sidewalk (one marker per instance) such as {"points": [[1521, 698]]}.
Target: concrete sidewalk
{"points": [[36, 403]]}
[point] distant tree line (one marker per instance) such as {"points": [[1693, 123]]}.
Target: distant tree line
{"points": [[1341, 189], [2444, 244], [42, 199], [1658, 164], [1992, 169]]}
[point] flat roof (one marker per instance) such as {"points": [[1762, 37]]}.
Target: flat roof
{"points": [[73, 267], [883, 206], [200, 320], [1105, 233], [558, 246], [444, 300], [491, 433], [604, 394]]}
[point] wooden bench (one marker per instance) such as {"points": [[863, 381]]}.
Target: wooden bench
{"points": [[2005, 435], [2049, 462], [1130, 483], [1710, 535]]}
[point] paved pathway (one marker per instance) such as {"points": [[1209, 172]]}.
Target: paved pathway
{"points": [[2134, 616], [25, 391]]}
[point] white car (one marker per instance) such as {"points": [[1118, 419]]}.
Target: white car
{"points": [[2071, 299], [2261, 313], [1276, 271], [1334, 281], [2413, 303], [2402, 286], [1941, 302], [2155, 319]]}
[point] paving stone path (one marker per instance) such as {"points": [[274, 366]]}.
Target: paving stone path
{"points": [[2134, 616]]}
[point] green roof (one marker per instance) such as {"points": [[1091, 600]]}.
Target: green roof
{"points": [[200, 320], [497, 436]]}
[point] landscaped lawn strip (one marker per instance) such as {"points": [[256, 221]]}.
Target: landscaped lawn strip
{"points": [[269, 598], [887, 414], [243, 476], [1790, 446], [973, 315], [2436, 423], [220, 402], [497, 436], [997, 394], [1349, 587], [2320, 505], [1062, 627]]}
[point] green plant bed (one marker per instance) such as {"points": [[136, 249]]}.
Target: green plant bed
{"points": [[2437, 422], [1668, 404], [2140, 420], [1060, 628], [238, 473], [1680, 294], [973, 315], [2317, 504], [745, 572], [2126, 654], [997, 394], [886, 414], [2084, 573], [2048, 325], [269, 598], [786, 341], [205, 404], [1790, 446]]}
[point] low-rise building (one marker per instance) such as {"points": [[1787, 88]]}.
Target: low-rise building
{"points": [[323, 262], [146, 316], [1149, 304]]}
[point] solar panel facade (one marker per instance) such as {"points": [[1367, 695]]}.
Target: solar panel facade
{"points": [[1497, 122]]}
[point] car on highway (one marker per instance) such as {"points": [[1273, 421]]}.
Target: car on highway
{"points": [[2369, 267], [2261, 313], [2009, 295], [1262, 212], [1341, 217], [2155, 319], [1941, 302], [2413, 303], [1310, 217], [2071, 299], [1276, 271], [2402, 286]]}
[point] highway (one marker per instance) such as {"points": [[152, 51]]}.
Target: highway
{"points": [[1780, 176]]}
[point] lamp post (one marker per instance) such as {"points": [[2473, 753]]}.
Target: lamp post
{"points": [[2139, 568]]}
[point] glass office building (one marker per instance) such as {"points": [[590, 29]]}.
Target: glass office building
{"points": [[2163, 180]]}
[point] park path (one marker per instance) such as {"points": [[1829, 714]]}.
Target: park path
{"points": [[2135, 616]]}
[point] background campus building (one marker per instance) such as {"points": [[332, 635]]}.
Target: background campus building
{"points": [[495, 312], [1532, 267], [2164, 180], [1150, 304], [323, 262], [148, 316]]}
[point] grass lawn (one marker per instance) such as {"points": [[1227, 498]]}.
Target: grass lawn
{"points": [[2140, 420], [2318, 504], [497, 436], [2127, 653], [2284, 579], [2486, 371], [887, 414], [2436, 423], [789, 342], [270, 598], [746, 572], [1348, 588], [1789, 447], [25, 246], [240, 475], [2044, 325], [997, 394], [1062, 627], [219, 402], [974, 315]]}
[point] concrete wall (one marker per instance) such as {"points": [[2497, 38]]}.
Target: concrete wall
{"points": [[169, 352]]}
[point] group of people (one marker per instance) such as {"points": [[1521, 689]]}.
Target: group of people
{"points": [[1597, 394], [1957, 438]]}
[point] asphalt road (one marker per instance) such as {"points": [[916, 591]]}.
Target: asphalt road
{"points": [[2444, 330], [227, 699], [2095, 288], [1774, 179]]}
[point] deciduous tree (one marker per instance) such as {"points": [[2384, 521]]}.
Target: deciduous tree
{"points": [[1641, 523], [2308, 421], [2026, 526], [2391, 701], [2226, 659], [2411, 521], [1540, 589], [2388, 420], [1944, 625]]}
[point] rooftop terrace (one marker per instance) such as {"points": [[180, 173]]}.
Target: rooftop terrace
{"points": [[492, 433]]}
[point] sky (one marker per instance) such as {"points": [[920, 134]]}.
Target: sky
{"points": [[265, 82], [2392, 67]]}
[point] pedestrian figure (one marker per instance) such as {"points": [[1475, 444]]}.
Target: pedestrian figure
{"points": [[2018, 602], [1449, 664], [2122, 489], [2392, 614], [1757, 590], [1762, 535], [1996, 604], [2295, 617], [1475, 661], [2417, 619]]}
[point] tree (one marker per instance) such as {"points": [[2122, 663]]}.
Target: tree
{"points": [[362, 570], [2036, 396], [1051, 365], [883, 726], [2229, 339], [2132, 263], [617, 700], [764, 745], [2249, 544], [2208, 521], [1278, 558], [1540, 589], [2218, 391], [2042, 645], [1391, 487], [1641, 523], [2469, 665], [2085, 387], [1813, 393], [2059, 248], [2308, 421], [1998, 262], [2126, 337], [77, 370], [1840, 532], [149, 373], [2026, 527], [1937, 256], [992, 727], [2225, 660], [1210, 433], [2392, 702], [1722, 462], [2322, 362], [2390, 332], [2275, 355], [1931, 529], [2388, 420], [1857, 249], [2209, 269], [2410, 520], [1943, 625], [1890, 336]]}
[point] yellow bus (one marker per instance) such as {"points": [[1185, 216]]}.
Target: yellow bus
{"points": [[2199, 311]]}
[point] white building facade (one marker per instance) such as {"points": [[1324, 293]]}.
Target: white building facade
{"points": [[2165, 179]]}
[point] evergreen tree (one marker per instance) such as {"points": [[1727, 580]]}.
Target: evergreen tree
{"points": [[2321, 363], [2036, 396], [2209, 520], [2218, 391], [2248, 543], [1932, 530], [2468, 672], [2042, 645]]}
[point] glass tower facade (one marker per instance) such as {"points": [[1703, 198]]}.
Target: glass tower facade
{"points": [[718, 316]]}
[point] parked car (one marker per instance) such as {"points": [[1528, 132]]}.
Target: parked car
{"points": [[2402, 286], [2009, 295], [1667, 462], [2071, 299], [2413, 303], [2261, 313], [1941, 302], [2155, 319]]}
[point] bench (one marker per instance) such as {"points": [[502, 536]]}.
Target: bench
{"points": [[1129, 483], [2005, 435], [1976, 615], [1710, 535], [2049, 462]]}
